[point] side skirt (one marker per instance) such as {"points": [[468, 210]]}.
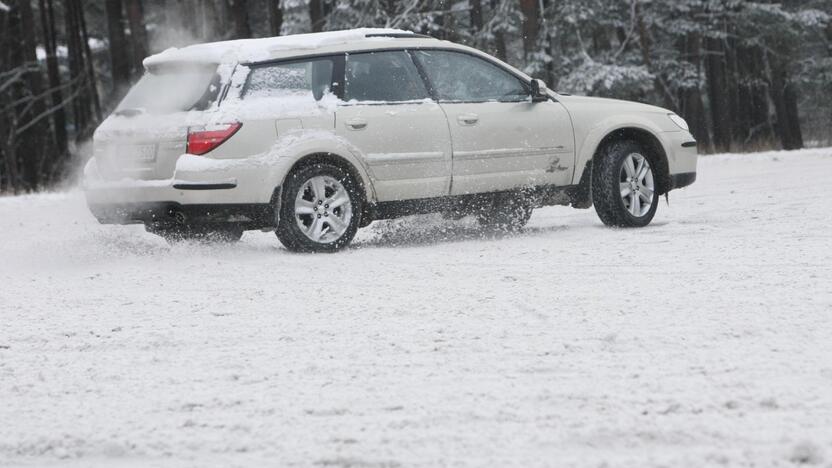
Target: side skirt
{"points": [[469, 204]]}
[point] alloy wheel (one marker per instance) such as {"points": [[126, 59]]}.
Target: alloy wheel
{"points": [[636, 184], [323, 209]]}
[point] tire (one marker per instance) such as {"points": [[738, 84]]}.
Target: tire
{"points": [[306, 222], [624, 197], [509, 211], [203, 234]]}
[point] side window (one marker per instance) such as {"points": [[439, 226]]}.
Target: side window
{"points": [[383, 76], [457, 76], [311, 78], [210, 95]]}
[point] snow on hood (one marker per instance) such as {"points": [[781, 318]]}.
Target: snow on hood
{"points": [[251, 50]]}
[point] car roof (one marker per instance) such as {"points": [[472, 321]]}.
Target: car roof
{"points": [[283, 47]]}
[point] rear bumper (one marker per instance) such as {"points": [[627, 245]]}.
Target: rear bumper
{"points": [[232, 195], [252, 215], [223, 182]]}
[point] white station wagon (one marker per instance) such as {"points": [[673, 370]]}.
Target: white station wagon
{"points": [[317, 135]]}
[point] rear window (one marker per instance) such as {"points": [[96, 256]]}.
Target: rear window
{"points": [[310, 78], [173, 89]]}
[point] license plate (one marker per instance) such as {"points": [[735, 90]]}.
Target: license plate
{"points": [[141, 153]]}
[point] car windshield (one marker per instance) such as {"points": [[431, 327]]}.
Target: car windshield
{"points": [[172, 89]]}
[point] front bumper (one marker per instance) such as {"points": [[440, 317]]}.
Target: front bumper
{"points": [[682, 154]]}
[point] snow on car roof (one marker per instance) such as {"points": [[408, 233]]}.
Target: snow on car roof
{"points": [[252, 50]]}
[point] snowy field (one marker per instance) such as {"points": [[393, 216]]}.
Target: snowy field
{"points": [[702, 340]]}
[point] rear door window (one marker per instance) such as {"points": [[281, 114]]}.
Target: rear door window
{"points": [[389, 76], [307, 78]]}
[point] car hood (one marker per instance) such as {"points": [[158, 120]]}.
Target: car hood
{"points": [[608, 105]]}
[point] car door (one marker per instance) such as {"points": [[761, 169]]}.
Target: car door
{"points": [[501, 139], [402, 134]]}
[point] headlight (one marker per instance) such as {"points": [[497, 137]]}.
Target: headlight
{"points": [[679, 121]]}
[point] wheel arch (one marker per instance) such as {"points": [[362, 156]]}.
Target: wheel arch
{"points": [[309, 147], [335, 160], [647, 139], [355, 170]]}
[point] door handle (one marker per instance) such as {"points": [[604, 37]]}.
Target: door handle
{"points": [[356, 124], [468, 119]]}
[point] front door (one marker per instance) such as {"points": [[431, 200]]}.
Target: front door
{"points": [[386, 112], [501, 139]]}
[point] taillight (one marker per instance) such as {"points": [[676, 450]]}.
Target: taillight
{"points": [[204, 139]]}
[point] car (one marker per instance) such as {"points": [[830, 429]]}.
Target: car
{"points": [[317, 135]]}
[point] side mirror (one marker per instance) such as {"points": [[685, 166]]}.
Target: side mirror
{"points": [[539, 90]]}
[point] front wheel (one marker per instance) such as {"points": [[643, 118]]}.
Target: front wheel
{"points": [[624, 187], [320, 209]]}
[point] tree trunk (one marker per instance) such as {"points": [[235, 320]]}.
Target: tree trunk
{"points": [[645, 43], [530, 25], [47, 17], [76, 65], [12, 58], [440, 20], [692, 106], [784, 96], [448, 21], [239, 14], [476, 20], [212, 20], [828, 86], [31, 150], [81, 71], [752, 123], [118, 47], [91, 81], [316, 15], [499, 35], [792, 116], [138, 35], [716, 71], [275, 17]]}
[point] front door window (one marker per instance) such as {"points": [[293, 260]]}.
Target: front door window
{"points": [[459, 77]]}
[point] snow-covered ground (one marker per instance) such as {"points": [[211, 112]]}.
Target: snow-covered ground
{"points": [[704, 339]]}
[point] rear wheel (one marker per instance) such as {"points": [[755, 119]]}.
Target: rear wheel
{"points": [[320, 209], [624, 186], [510, 211]]}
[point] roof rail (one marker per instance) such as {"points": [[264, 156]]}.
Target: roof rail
{"points": [[400, 35]]}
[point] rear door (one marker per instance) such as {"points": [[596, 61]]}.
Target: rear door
{"points": [[501, 139], [147, 132], [387, 113]]}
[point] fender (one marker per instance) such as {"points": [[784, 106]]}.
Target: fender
{"points": [[298, 144], [588, 142]]}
